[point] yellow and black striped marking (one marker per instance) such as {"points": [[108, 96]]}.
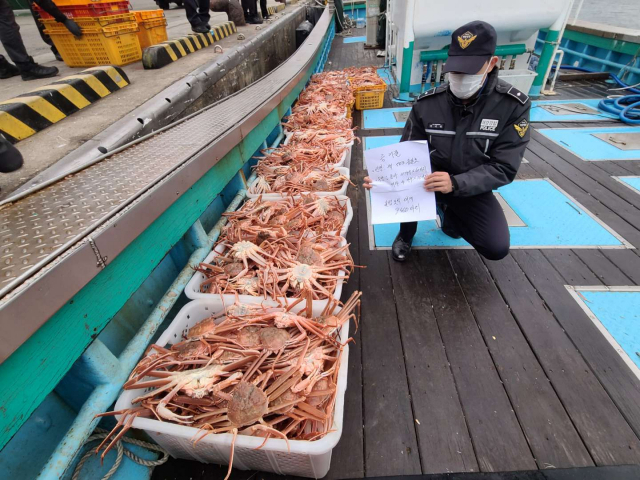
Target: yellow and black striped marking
{"points": [[162, 54], [276, 9], [26, 114]]}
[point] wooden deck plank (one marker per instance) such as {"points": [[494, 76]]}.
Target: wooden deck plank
{"points": [[391, 446], [627, 261], [526, 172], [549, 430], [621, 384], [347, 460], [443, 438], [591, 169], [602, 427], [572, 268], [608, 191], [498, 439], [603, 268], [386, 417]]}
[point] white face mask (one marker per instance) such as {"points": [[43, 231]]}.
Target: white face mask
{"points": [[465, 86]]}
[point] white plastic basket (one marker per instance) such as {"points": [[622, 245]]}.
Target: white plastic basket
{"points": [[277, 196], [306, 459], [346, 159], [192, 290]]}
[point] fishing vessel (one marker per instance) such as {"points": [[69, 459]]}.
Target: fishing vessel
{"points": [[525, 368]]}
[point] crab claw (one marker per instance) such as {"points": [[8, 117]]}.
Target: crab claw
{"points": [[167, 414]]}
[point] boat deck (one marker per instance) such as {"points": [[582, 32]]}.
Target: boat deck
{"points": [[468, 365]]}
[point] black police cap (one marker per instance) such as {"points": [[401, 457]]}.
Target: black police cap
{"points": [[471, 46]]}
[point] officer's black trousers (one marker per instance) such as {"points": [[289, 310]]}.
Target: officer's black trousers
{"points": [[10, 35], [478, 219], [197, 12]]}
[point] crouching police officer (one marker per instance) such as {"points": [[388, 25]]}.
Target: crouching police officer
{"points": [[477, 128]]}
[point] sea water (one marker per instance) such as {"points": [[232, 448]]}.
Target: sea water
{"points": [[619, 13]]}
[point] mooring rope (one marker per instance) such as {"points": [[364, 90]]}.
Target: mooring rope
{"points": [[100, 434]]}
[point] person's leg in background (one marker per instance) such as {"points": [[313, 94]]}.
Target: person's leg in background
{"points": [[480, 221], [264, 9], [45, 38], [253, 17], [13, 44], [203, 13], [191, 7]]}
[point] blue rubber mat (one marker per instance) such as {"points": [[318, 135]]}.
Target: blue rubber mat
{"points": [[583, 143], [383, 118], [355, 39], [631, 182], [619, 314], [375, 142], [385, 74], [552, 220], [565, 109]]}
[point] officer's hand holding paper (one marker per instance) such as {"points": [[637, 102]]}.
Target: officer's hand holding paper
{"points": [[397, 174]]}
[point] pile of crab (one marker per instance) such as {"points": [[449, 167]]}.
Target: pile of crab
{"points": [[319, 138], [267, 371], [325, 104], [319, 155], [248, 370], [299, 267], [363, 77], [299, 179]]}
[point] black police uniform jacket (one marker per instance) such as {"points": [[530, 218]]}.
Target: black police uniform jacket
{"points": [[480, 144]]}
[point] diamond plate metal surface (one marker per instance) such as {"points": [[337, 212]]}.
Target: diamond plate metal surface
{"points": [[46, 222], [569, 109]]}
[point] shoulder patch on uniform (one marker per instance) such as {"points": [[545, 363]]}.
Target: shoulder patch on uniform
{"points": [[431, 92], [521, 127], [518, 95]]}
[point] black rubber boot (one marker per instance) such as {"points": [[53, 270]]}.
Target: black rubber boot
{"points": [[400, 249], [447, 228], [8, 70], [10, 158], [200, 29], [33, 71]]}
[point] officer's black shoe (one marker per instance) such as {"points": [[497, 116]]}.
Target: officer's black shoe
{"points": [[255, 20], [400, 249], [208, 26], [32, 71], [8, 70], [446, 228], [200, 29], [10, 158]]}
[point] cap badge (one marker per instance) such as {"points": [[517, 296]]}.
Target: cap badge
{"points": [[521, 127], [465, 39]]}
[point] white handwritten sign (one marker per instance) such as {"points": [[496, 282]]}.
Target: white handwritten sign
{"points": [[397, 173]]}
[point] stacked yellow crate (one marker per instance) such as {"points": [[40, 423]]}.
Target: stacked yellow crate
{"points": [[112, 34]]}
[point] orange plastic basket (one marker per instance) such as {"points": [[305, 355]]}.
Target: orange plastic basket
{"points": [[144, 15], [152, 32], [88, 9], [113, 44], [80, 3]]}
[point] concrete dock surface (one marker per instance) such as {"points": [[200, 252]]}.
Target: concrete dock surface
{"points": [[48, 146]]}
